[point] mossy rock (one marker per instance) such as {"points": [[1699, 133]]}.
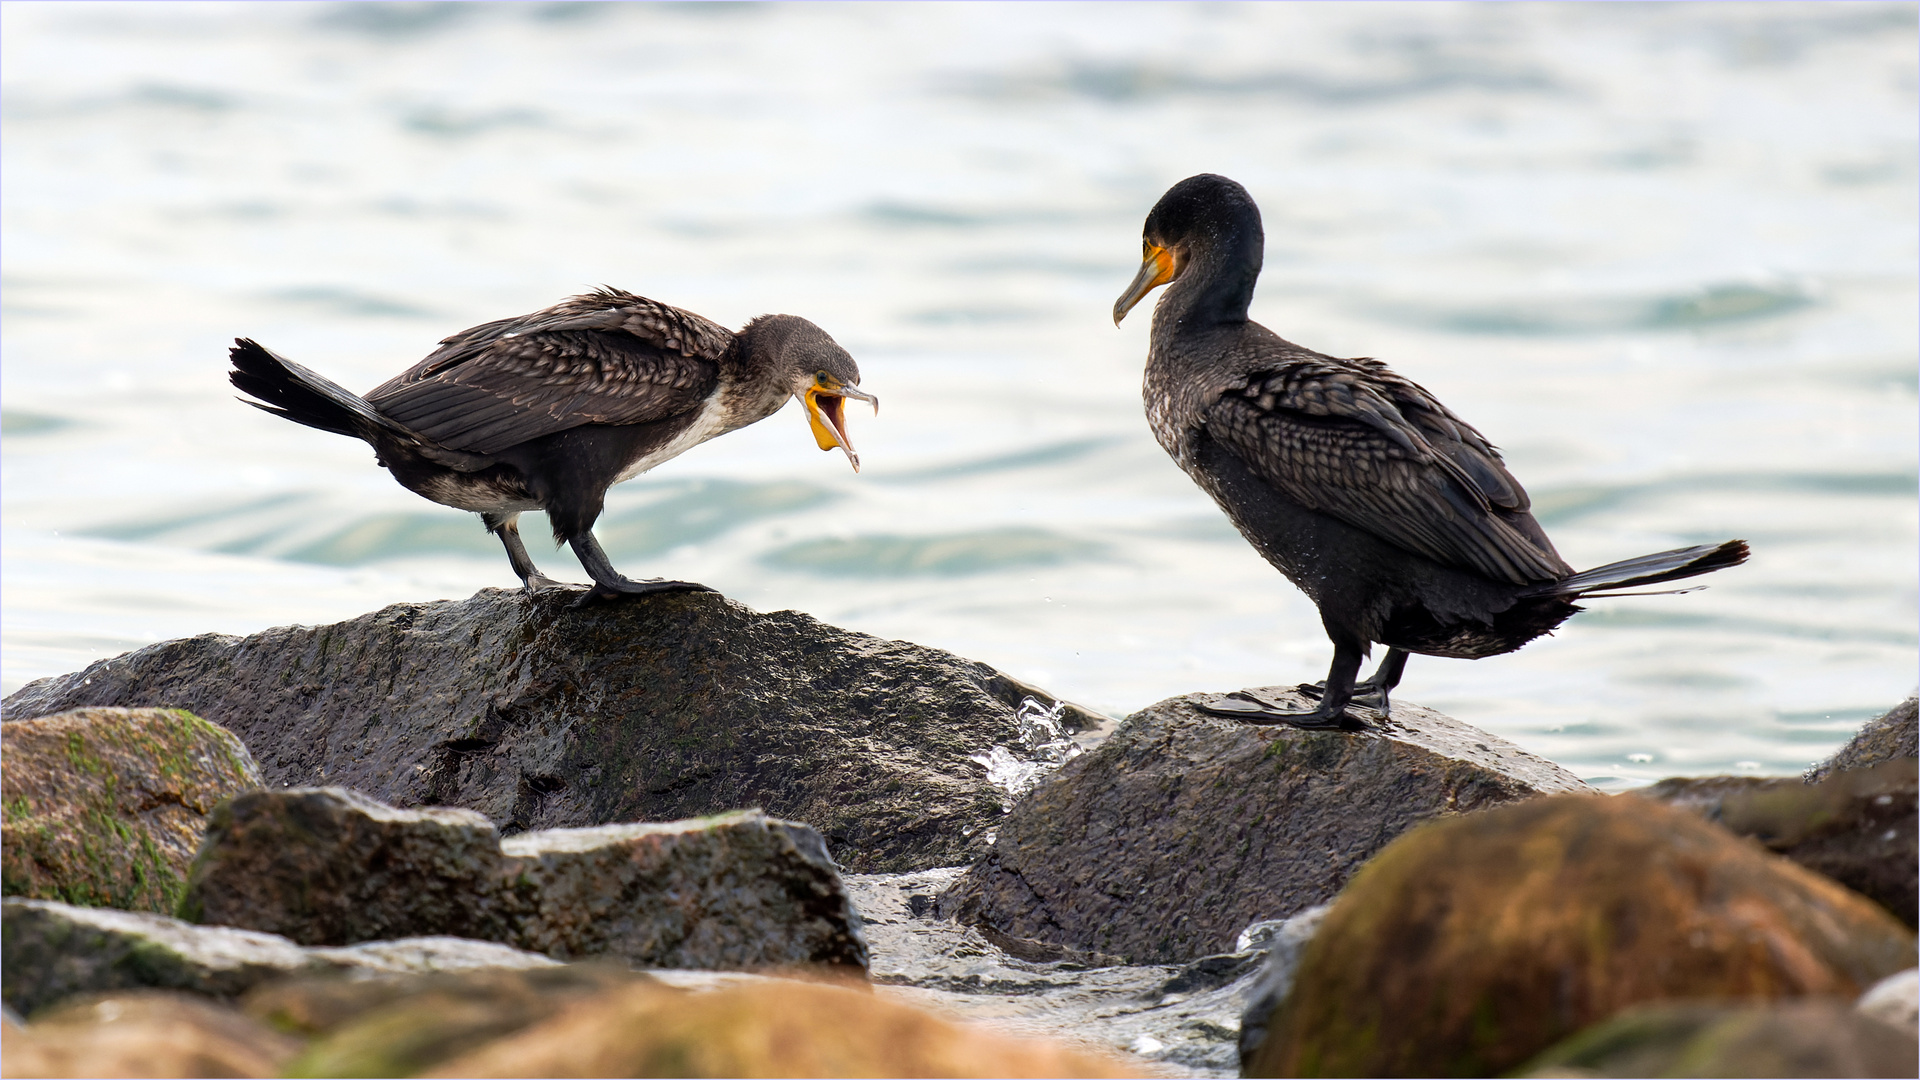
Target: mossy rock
{"points": [[1471, 944], [1802, 1038], [105, 807]]}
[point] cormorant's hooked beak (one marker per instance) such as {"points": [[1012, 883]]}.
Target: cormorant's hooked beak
{"points": [[1156, 269], [824, 401]]}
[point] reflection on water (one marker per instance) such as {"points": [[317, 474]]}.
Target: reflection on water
{"points": [[1663, 255]]}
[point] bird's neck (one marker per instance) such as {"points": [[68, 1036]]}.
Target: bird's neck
{"points": [[1216, 285]]}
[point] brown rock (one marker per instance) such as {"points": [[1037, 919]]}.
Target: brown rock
{"points": [[776, 1028], [399, 1026], [1180, 830], [1803, 1038], [1884, 738], [325, 866], [1857, 826], [650, 709], [150, 1033], [1472, 944], [107, 806]]}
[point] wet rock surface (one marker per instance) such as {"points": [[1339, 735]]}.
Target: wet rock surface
{"points": [[1182, 1019], [326, 866], [53, 952], [1181, 829], [1472, 944], [1856, 826], [107, 806], [1896, 734], [650, 709], [1809, 1038]]}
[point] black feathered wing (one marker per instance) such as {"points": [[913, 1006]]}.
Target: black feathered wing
{"points": [[603, 358], [1356, 442]]}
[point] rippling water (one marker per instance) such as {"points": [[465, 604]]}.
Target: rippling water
{"points": [[1663, 254]]}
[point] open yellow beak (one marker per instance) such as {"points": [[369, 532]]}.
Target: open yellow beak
{"points": [[826, 414], [1156, 269]]}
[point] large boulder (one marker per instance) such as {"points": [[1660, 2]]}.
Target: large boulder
{"points": [[1472, 944], [1181, 829], [107, 806], [326, 866], [647, 709], [1802, 1038], [54, 951], [1896, 734], [1857, 826]]}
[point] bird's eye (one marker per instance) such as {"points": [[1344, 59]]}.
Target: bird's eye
{"points": [[821, 377]]}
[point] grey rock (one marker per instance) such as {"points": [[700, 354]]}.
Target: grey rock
{"points": [[1896, 734], [328, 866], [648, 709], [1857, 825], [435, 954], [738, 890], [53, 951], [325, 866], [1181, 829], [1286, 942], [1894, 1000]]}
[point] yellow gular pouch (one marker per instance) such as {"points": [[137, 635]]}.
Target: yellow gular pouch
{"points": [[826, 401]]}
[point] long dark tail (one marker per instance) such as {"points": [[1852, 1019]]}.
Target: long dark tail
{"points": [[303, 395], [306, 397], [1647, 570]]}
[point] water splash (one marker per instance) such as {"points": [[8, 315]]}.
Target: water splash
{"points": [[1041, 746]]}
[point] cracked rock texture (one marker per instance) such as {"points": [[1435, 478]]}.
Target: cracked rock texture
{"points": [[648, 709], [326, 866], [1182, 829], [55, 951], [106, 806]]}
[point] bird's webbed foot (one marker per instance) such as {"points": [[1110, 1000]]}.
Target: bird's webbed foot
{"points": [[1374, 692], [613, 590], [610, 584], [536, 581], [1251, 710], [1367, 695]]}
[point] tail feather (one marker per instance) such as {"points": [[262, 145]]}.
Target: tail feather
{"points": [[300, 394], [1647, 570], [304, 396]]}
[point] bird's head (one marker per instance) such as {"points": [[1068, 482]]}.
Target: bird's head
{"points": [[816, 370], [1201, 216]]}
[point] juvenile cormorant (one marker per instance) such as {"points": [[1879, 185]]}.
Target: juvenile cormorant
{"points": [[548, 410], [1394, 515]]}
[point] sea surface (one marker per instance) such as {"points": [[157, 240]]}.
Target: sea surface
{"points": [[1663, 254]]}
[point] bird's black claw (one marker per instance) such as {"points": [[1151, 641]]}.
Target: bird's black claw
{"points": [[1250, 710]]}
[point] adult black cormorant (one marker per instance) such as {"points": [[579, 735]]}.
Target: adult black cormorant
{"points": [[547, 411], [1394, 515]]}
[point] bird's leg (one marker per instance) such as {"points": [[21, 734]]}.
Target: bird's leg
{"points": [[1331, 715], [609, 583], [507, 528], [1373, 692]]}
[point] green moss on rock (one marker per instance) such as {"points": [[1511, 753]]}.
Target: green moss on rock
{"points": [[105, 807]]}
